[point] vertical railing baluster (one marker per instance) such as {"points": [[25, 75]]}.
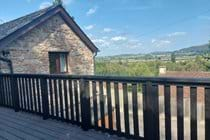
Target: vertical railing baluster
{"points": [[95, 103], [35, 95], [71, 101], [180, 113], [66, 100], [85, 104], [10, 96], [117, 106], [19, 93], [135, 110], [126, 109], [109, 98], [151, 111], [14, 90], [167, 104], [10, 91], [38, 95], [45, 101], [5, 90], [1, 91], [51, 97], [61, 100], [76, 98], [22, 93], [25, 94], [56, 98], [30, 94], [207, 113], [102, 113], [193, 112]]}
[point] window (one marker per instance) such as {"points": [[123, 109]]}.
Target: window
{"points": [[58, 62]]}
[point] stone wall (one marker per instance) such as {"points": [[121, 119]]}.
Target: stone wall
{"points": [[29, 53]]}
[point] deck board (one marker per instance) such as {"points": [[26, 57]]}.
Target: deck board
{"points": [[26, 126]]}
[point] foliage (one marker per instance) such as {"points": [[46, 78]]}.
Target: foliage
{"points": [[149, 68], [121, 68], [173, 57]]}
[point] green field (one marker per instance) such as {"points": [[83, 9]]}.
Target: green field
{"points": [[129, 67]]}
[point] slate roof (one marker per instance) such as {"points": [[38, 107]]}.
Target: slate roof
{"points": [[9, 27], [25, 23]]}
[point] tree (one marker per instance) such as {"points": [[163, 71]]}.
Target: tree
{"points": [[57, 2], [206, 55], [173, 57], [209, 46]]}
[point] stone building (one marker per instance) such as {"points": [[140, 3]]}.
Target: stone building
{"points": [[46, 41]]}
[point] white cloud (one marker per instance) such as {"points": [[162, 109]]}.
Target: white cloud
{"points": [[160, 43], [117, 42], [165, 41], [118, 38], [89, 27], [107, 30], [154, 40], [101, 42], [45, 5], [91, 11], [134, 45], [177, 34]]}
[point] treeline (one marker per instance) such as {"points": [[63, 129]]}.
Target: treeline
{"points": [[149, 68]]}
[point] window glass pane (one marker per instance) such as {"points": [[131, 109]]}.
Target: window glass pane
{"points": [[53, 66], [63, 62]]}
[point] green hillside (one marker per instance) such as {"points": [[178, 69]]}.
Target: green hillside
{"points": [[182, 54]]}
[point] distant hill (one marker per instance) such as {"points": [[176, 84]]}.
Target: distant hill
{"points": [[182, 54], [194, 49]]}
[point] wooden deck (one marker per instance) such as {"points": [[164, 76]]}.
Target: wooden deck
{"points": [[20, 125]]}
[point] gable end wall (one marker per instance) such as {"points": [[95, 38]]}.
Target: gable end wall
{"points": [[29, 53]]}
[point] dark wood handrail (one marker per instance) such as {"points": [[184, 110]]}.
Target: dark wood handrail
{"points": [[160, 80]]}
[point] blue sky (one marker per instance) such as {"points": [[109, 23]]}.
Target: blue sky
{"points": [[130, 26]]}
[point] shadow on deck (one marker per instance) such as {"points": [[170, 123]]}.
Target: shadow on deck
{"points": [[20, 125]]}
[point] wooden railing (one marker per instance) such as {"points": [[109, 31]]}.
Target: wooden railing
{"points": [[126, 106]]}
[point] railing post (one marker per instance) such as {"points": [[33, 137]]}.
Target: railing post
{"points": [[151, 111], [14, 89], [85, 104], [207, 113], [44, 94]]}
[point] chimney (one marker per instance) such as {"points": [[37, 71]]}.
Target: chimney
{"points": [[162, 70]]}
